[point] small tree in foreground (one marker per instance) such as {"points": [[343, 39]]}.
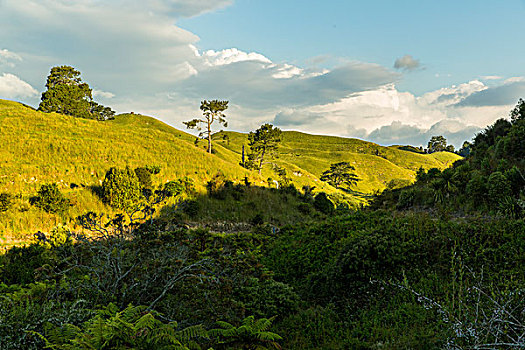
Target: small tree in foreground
{"points": [[212, 111], [340, 174]]}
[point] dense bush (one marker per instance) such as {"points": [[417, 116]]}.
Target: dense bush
{"points": [[144, 177], [50, 199], [323, 203], [121, 188]]}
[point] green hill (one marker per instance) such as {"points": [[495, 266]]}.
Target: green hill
{"points": [[39, 148], [306, 156]]}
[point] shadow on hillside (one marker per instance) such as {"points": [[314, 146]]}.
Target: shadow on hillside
{"points": [[237, 207], [97, 191]]}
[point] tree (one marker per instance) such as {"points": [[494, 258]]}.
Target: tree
{"points": [[121, 188], [437, 144], [212, 111], [340, 174], [67, 94], [518, 113], [263, 144], [464, 151]]}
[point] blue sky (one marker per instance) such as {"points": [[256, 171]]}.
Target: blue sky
{"points": [[394, 72], [464, 39]]}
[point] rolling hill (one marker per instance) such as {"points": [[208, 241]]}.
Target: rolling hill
{"points": [[306, 156], [39, 148]]}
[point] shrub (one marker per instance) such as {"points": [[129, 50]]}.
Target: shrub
{"points": [[323, 203], [121, 188], [6, 201], [50, 199], [406, 199], [144, 177], [190, 208], [498, 187]]}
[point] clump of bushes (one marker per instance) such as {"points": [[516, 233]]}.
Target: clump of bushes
{"points": [[323, 203]]}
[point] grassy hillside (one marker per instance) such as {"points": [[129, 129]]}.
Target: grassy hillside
{"points": [[40, 148], [307, 156]]}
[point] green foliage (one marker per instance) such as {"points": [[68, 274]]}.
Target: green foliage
{"points": [[144, 177], [212, 111], [498, 187], [67, 94], [121, 188], [397, 183], [263, 145], [323, 203], [50, 199], [131, 328], [251, 334], [6, 201], [180, 186], [437, 144], [340, 174]]}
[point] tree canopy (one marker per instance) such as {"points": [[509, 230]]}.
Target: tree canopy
{"points": [[340, 174], [263, 144], [437, 144], [212, 111], [67, 94]]}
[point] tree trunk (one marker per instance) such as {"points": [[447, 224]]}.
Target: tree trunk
{"points": [[209, 137], [261, 162]]}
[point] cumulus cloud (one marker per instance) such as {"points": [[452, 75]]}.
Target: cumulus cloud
{"points": [[398, 133], [229, 56], [501, 95], [103, 94], [407, 63], [256, 83], [12, 87]]}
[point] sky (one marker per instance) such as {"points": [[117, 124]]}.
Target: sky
{"points": [[393, 72]]}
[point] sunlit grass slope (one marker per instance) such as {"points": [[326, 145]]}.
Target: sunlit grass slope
{"points": [[309, 155], [38, 148]]}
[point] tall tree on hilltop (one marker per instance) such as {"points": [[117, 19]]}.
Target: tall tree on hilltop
{"points": [[437, 144], [263, 144], [67, 94], [212, 111], [340, 174]]}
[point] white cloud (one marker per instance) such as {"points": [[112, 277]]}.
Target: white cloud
{"points": [[406, 62], [12, 87], [229, 56], [7, 58], [103, 94], [491, 77]]}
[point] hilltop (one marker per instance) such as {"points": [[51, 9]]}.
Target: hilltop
{"points": [[39, 148]]}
